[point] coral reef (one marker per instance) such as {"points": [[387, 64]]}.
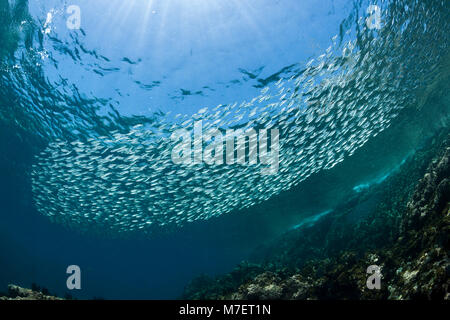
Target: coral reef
{"points": [[19, 293], [400, 225]]}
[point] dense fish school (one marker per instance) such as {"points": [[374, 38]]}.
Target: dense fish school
{"points": [[127, 182]]}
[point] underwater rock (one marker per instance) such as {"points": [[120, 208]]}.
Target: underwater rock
{"points": [[425, 230], [268, 286], [205, 287], [19, 293]]}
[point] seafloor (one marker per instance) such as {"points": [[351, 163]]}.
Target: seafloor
{"points": [[401, 225]]}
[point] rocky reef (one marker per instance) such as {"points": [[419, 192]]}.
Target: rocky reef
{"points": [[401, 225], [19, 293]]}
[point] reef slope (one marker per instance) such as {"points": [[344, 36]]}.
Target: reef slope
{"points": [[402, 226]]}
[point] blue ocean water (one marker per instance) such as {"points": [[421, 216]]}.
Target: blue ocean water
{"points": [[92, 90]]}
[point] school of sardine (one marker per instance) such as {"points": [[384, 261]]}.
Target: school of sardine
{"points": [[127, 182]]}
